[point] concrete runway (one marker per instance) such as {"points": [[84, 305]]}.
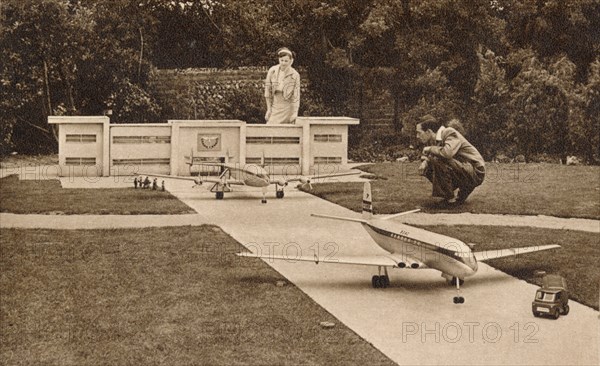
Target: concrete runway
{"points": [[414, 321]]}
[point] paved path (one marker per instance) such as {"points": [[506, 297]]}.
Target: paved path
{"points": [[412, 322], [8, 220]]}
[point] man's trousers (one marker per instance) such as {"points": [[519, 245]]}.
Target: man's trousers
{"points": [[447, 175]]}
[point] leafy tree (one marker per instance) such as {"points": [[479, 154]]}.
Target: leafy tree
{"points": [[37, 52], [490, 107], [540, 106], [584, 127], [554, 27], [66, 57], [427, 38]]}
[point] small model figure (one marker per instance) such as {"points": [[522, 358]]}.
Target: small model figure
{"points": [[147, 182], [155, 184], [163, 185], [135, 182]]}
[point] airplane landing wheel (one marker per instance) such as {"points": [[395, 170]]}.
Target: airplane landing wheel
{"points": [[263, 201], [279, 194], [219, 195], [380, 281], [385, 281], [458, 300], [453, 281]]}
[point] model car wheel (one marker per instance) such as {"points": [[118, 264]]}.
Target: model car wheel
{"points": [[536, 314], [566, 310], [555, 315]]}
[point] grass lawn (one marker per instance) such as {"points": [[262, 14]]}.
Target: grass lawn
{"points": [[47, 196], [89, 297], [577, 260], [520, 189]]}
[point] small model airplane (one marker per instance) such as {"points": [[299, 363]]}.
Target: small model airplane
{"points": [[411, 248], [251, 175]]}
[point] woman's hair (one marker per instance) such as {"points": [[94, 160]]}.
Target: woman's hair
{"points": [[457, 125], [283, 51]]}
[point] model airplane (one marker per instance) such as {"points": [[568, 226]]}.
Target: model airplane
{"points": [[413, 248], [251, 175]]}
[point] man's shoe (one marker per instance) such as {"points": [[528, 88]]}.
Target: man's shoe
{"points": [[463, 193]]}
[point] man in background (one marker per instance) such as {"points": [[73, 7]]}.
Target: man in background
{"points": [[449, 161]]}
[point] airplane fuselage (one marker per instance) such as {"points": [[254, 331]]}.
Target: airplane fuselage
{"points": [[251, 175], [413, 246]]}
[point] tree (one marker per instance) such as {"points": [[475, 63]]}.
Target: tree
{"points": [[539, 105], [555, 27], [490, 107], [584, 127], [67, 57], [420, 40], [37, 53]]}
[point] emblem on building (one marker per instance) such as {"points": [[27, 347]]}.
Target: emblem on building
{"points": [[209, 142]]}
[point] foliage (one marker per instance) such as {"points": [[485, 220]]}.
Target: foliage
{"points": [[133, 105], [520, 75], [490, 107], [540, 110], [64, 57]]}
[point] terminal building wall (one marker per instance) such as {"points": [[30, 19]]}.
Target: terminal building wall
{"points": [[91, 146]]}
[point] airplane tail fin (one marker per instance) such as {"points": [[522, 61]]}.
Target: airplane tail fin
{"points": [[367, 203]]}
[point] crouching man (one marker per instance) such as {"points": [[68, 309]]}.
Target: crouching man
{"points": [[449, 161]]}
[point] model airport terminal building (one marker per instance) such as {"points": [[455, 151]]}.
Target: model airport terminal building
{"points": [[92, 146]]}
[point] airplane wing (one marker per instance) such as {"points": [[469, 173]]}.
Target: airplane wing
{"points": [[193, 179], [369, 260], [400, 214], [324, 176], [197, 180], [501, 253]]}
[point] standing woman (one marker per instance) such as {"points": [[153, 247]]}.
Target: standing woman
{"points": [[282, 90]]}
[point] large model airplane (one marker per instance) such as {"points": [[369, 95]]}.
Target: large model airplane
{"points": [[412, 248], [252, 175]]}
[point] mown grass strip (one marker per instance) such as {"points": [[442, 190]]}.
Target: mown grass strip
{"points": [[517, 189], [47, 196], [173, 296]]}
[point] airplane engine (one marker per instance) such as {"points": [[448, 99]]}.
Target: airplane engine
{"points": [[282, 182], [404, 262], [306, 182]]}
